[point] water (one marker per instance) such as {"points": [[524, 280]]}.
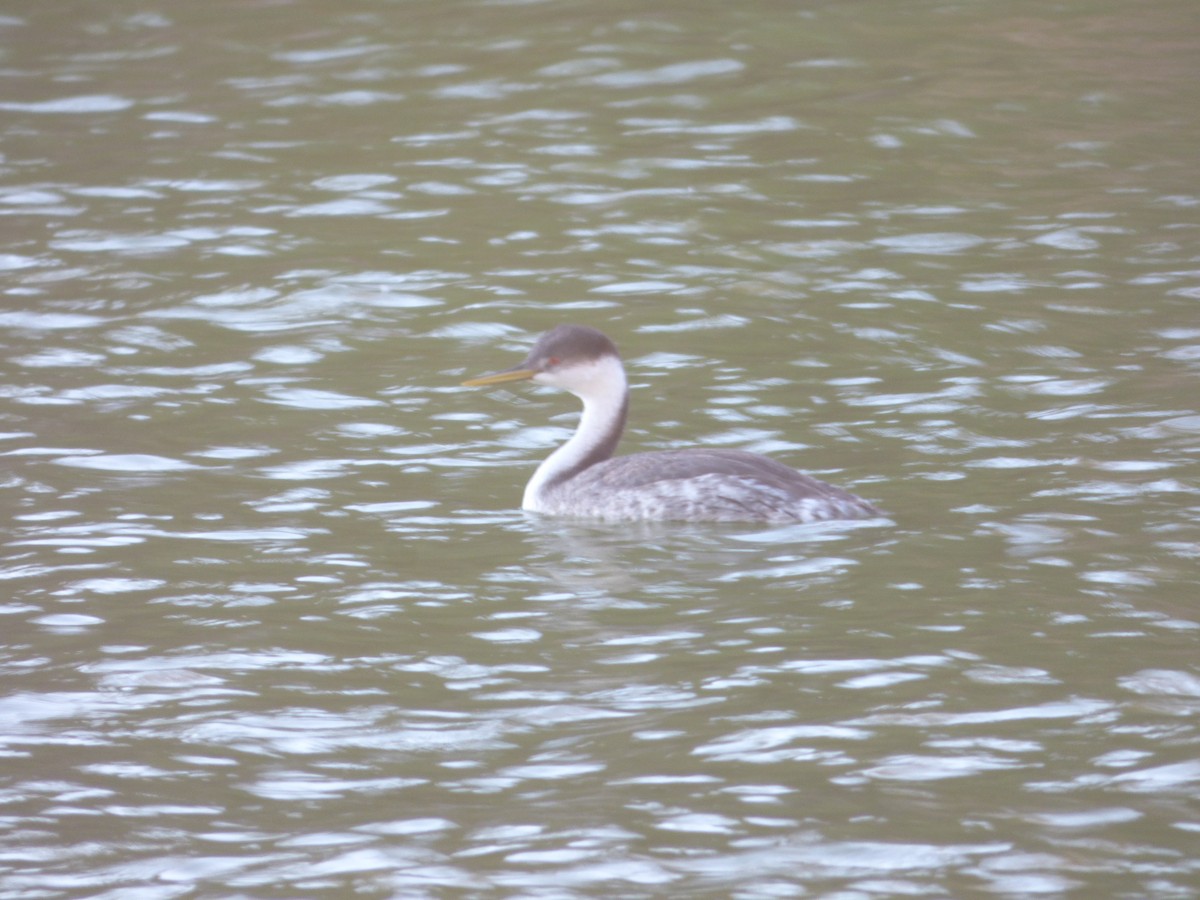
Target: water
{"points": [[272, 626]]}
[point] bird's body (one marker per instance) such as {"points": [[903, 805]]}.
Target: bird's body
{"points": [[583, 479], [698, 486]]}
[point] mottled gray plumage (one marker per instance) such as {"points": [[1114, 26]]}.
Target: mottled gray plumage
{"points": [[701, 485], [582, 478]]}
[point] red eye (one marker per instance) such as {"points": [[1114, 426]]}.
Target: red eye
{"points": [[552, 361]]}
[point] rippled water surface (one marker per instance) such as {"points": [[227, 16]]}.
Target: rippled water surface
{"points": [[271, 625]]}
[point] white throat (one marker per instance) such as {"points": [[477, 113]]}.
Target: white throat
{"points": [[601, 385]]}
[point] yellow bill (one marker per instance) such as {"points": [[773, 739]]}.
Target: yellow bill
{"points": [[500, 377]]}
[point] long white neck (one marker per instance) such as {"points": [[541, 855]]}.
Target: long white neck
{"points": [[601, 386]]}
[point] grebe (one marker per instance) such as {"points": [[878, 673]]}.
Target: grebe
{"points": [[582, 477]]}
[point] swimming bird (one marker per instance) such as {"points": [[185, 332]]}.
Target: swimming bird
{"points": [[583, 479]]}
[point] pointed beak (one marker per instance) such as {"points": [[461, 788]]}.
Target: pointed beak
{"points": [[518, 374]]}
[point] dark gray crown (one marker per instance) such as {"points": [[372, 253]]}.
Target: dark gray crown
{"points": [[570, 344]]}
